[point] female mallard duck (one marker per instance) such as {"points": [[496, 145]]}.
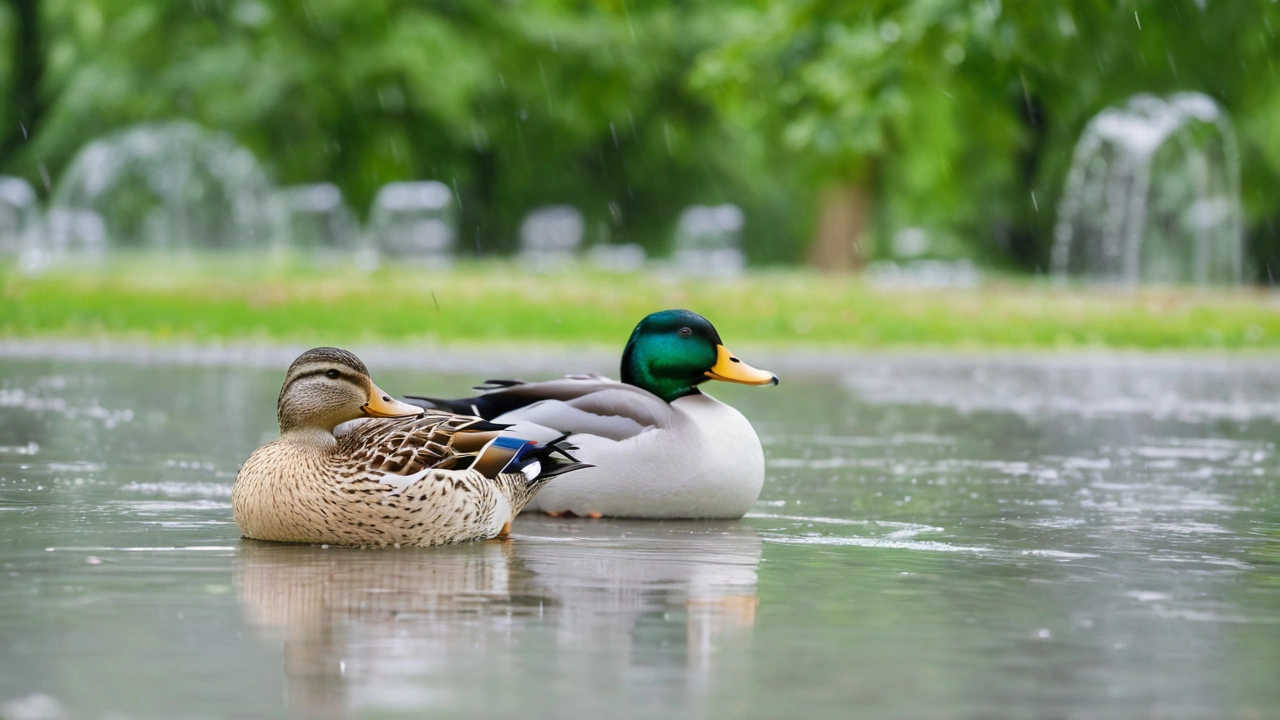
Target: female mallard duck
{"points": [[412, 478], [660, 447]]}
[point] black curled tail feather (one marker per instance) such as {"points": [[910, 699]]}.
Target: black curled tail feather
{"points": [[502, 453], [563, 446], [556, 459], [497, 384]]}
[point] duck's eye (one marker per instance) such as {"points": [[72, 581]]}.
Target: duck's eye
{"points": [[333, 374], [684, 332]]}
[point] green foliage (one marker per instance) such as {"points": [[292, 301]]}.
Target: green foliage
{"points": [[513, 104], [957, 115], [962, 109]]}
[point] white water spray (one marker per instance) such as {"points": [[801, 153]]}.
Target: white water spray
{"points": [[1153, 195]]}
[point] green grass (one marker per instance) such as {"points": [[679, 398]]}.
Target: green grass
{"points": [[147, 300]]}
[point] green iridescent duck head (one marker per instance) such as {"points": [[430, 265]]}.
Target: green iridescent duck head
{"points": [[671, 352]]}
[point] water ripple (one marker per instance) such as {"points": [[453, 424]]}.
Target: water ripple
{"points": [[179, 489], [874, 542]]}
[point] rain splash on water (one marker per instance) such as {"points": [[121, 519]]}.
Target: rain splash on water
{"points": [[973, 537]]}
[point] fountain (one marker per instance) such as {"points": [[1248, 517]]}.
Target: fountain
{"points": [[414, 221], [315, 219], [170, 185], [920, 258], [1153, 195], [617, 257], [707, 241], [19, 216], [70, 237], [550, 237]]}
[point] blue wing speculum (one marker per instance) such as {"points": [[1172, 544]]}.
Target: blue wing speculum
{"points": [[537, 461]]}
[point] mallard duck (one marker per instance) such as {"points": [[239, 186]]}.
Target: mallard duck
{"points": [[400, 475], [660, 446]]}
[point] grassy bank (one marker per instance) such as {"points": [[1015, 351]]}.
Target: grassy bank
{"points": [[496, 303]]}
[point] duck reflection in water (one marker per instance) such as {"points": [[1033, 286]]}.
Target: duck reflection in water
{"points": [[591, 616]]}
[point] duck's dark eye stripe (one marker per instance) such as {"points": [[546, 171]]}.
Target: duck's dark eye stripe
{"points": [[331, 373]]}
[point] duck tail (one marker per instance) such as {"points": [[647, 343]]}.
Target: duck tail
{"points": [[557, 460], [538, 462]]}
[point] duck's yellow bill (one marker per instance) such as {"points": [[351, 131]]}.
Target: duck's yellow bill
{"points": [[730, 369], [383, 405]]}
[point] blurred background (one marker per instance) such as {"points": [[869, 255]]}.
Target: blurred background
{"points": [[934, 141], [192, 192]]}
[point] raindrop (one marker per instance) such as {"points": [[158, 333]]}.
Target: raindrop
{"points": [[1066, 25], [890, 32], [630, 28]]}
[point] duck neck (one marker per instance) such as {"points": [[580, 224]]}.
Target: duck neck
{"points": [[312, 438], [636, 371]]}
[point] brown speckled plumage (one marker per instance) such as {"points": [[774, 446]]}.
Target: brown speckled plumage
{"points": [[420, 480]]}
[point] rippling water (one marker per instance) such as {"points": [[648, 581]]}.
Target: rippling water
{"points": [[964, 537]]}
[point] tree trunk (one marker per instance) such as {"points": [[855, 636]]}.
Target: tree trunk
{"points": [[27, 65], [841, 242], [478, 220]]}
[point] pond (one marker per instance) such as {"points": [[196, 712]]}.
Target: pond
{"points": [[938, 537]]}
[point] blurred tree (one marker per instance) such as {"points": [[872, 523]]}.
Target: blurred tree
{"points": [[22, 73], [514, 104], [960, 115], [840, 120]]}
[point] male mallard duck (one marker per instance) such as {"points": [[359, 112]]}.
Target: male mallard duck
{"points": [[413, 478], [661, 448]]}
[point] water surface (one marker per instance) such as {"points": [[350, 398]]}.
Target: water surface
{"points": [[938, 538]]}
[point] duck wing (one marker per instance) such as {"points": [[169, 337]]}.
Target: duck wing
{"points": [[502, 396], [591, 404], [400, 451]]}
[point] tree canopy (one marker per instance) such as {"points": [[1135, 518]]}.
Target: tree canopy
{"points": [[970, 108], [956, 115]]}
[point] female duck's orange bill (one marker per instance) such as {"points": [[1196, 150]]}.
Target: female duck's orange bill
{"points": [[383, 405]]}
